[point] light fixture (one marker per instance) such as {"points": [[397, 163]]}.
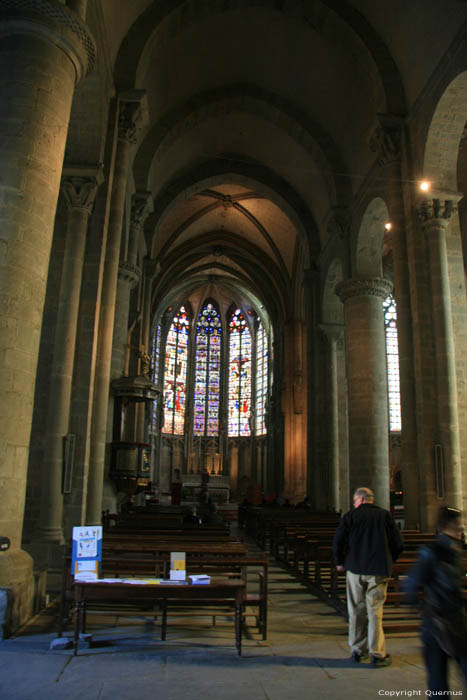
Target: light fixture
{"points": [[388, 226], [425, 186]]}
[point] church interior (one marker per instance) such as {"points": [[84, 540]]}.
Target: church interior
{"points": [[233, 251]]}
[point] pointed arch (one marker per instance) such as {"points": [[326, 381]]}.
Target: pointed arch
{"points": [[175, 374], [239, 404], [207, 371]]}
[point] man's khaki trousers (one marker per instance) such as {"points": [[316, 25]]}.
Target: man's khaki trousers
{"points": [[365, 599]]}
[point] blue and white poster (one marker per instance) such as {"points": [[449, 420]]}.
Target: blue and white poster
{"points": [[86, 551]]}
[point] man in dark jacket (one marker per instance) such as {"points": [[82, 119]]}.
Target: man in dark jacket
{"points": [[439, 574], [365, 545]]}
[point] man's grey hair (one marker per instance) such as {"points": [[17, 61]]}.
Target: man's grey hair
{"points": [[365, 493]]}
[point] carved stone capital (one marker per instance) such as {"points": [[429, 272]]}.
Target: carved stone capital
{"points": [[79, 187], [364, 287], [440, 206], [131, 274], [132, 115], [339, 222], [141, 207], [52, 21], [332, 331], [386, 139]]}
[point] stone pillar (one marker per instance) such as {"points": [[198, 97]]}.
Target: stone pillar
{"points": [[435, 214], [333, 333], [141, 207], [79, 189], [128, 278], [130, 116], [367, 383], [387, 143], [44, 51], [150, 268]]}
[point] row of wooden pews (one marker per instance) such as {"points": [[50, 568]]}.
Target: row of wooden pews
{"points": [[302, 541]]}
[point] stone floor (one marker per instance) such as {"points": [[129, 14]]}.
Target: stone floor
{"points": [[305, 656]]}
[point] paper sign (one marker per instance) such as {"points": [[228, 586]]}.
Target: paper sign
{"points": [[177, 566], [86, 550]]}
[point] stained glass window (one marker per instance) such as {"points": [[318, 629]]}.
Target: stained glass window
{"points": [[156, 361], [239, 375], [261, 378], [392, 355], [207, 371], [175, 373]]}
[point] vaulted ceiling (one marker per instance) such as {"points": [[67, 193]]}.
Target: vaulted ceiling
{"points": [[261, 118]]}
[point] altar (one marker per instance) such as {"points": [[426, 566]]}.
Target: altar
{"points": [[201, 486]]}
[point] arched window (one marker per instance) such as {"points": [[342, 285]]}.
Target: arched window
{"points": [[392, 356], [156, 362], [261, 378], [207, 371], [175, 372], [239, 376]]}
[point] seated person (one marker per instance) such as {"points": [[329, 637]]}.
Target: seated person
{"points": [[191, 517]]}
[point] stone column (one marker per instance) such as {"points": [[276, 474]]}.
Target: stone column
{"points": [[150, 269], [367, 383], [387, 143], [333, 332], [79, 189], [435, 214], [44, 51], [129, 276], [130, 116], [141, 207]]}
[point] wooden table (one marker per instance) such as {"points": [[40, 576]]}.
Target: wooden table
{"points": [[230, 591]]}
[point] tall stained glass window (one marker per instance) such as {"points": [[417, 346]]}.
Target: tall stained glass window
{"points": [[239, 375], [207, 371], [261, 379], [392, 355], [175, 372], [156, 361]]}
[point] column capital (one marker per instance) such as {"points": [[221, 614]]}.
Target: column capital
{"points": [[332, 331], [386, 139], [439, 206], [129, 273], [339, 222], [79, 187], [141, 206], [132, 115], [363, 287], [54, 22]]}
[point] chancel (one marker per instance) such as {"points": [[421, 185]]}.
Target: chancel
{"points": [[233, 240]]}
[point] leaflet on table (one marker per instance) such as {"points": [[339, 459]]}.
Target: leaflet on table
{"points": [[199, 579], [88, 576], [159, 581]]}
